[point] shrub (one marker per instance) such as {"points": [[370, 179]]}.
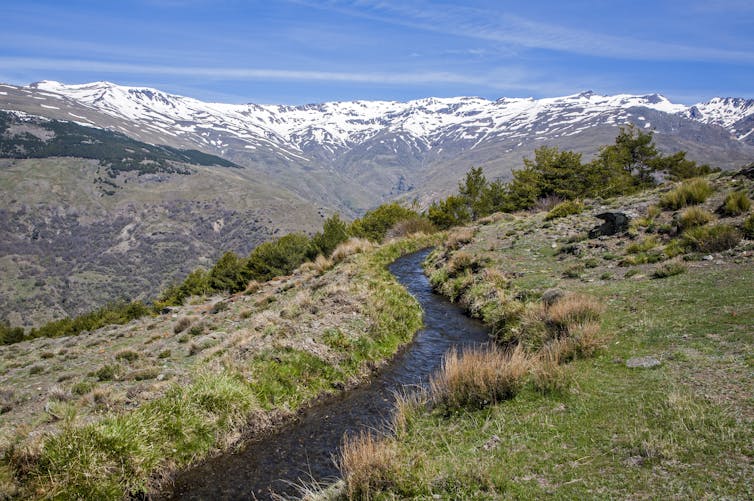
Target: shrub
{"points": [[715, 238], [479, 377], [566, 208], [668, 270], [127, 355], [367, 465], [375, 224], [694, 216], [748, 227], [410, 227], [276, 258], [106, 373], [82, 387], [735, 203], [693, 191]]}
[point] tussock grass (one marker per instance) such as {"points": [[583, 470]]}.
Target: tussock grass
{"points": [[566, 208], [182, 324], [479, 377], [694, 216], [748, 227], [691, 192], [573, 310], [714, 238], [320, 265], [367, 464], [459, 237], [116, 456], [350, 247], [735, 203], [669, 270]]}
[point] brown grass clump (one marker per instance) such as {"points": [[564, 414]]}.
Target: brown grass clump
{"points": [[459, 262], [573, 310], [367, 465], [459, 237], [548, 375], [350, 247], [321, 264], [479, 377], [181, 325], [411, 227]]}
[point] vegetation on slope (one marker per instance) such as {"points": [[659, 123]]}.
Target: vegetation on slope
{"points": [[629, 378], [33, 137], [111, 413]]}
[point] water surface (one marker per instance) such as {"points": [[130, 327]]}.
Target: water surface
{"points": [[303, 449]]}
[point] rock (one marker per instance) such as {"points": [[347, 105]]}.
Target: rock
{"points": [[615, 222], [493, 442], [747, 172], [642, 362], [708, 257], [552, 296]]}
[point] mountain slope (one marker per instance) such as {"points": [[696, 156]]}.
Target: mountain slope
{"points": [[94, 216], [361, 153]]}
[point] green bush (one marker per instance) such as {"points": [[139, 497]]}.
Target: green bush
{"points": [[375, 223], [276, 258], [735, 203], [711, 238], [691, 192], [565, 208]]}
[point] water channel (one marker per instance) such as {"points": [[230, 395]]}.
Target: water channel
{"points": [[304, 448]]}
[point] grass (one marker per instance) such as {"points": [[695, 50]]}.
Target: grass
{"points": [[119, 452], [479, 377], [694, 216], [593, 428], [565, 208], [713, 238], [735, 203], [691, 192]]}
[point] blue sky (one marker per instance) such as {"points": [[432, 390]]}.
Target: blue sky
{"points": [[303, 51]]}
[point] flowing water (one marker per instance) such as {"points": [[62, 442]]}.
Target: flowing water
{"points": [[304, 448]]}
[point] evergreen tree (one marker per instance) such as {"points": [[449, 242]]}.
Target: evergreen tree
{"points": [[334, 231]]}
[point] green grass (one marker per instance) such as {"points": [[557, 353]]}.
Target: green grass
{"points": [[691, 192], [602, 430], [120, 455]]}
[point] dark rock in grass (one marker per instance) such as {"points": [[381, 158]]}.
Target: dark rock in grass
{"points": [[615, 222], [642, 362], [552, 296], [747, 172]]}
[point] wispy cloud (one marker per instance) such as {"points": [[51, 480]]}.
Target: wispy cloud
{"points": [[220, 73], [504, 28]]}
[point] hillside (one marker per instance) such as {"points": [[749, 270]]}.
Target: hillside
{"points": [[90, 216], [636, 376], [359, 154], [639, 386]]}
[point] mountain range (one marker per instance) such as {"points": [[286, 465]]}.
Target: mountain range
{"points": [[291, 166]]}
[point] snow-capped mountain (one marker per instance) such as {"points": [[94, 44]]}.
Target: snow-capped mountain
{"points": [[384, 147]]}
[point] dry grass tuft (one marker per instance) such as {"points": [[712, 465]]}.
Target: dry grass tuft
{"points": [[367, 465], [479, 377], [182, 324], [459, 237], [573, 310], [350, 247], [548, 375]]}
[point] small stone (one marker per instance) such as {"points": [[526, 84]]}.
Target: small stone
{"points": [[491, 443], [642, 362], [708, 257]]}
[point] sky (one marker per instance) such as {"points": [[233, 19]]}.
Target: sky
{"points": [[309, 51]]}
